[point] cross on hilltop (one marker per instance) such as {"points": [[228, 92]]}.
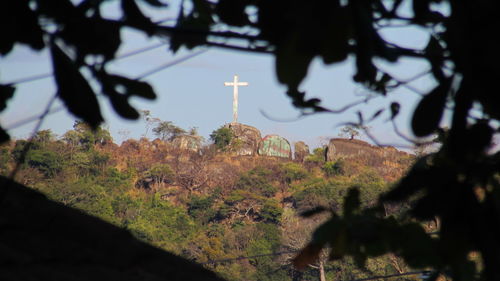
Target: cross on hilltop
{"points": [[235, 85]]}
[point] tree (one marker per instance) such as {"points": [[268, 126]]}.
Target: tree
{"points": [[166, 130], [460, 53], [222, 137], [349, 131]]}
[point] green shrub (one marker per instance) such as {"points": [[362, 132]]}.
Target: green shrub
{"points": [[257, 180], [200, 208], [271, 212], [336, 168], [222, 137], [46, 161], [317, 157], [290, 172]]}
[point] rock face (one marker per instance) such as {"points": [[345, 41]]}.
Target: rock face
{"points": [[45, 240], [187, 142], [301, 151], [274, 145], [389, 161], [245, 138], [346, 148]]}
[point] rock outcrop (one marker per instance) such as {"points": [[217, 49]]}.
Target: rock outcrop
{"points": [[245, 140], [301, 151], [388, 160], [274, 145], [187, 142]]}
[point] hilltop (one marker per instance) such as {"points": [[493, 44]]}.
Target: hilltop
{"points": [[208, 203]]}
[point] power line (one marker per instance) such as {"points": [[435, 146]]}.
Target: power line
{"points": [[393, 275], [125, 55], [295, 251], [249, 257], [140, 77], [169, 64]]}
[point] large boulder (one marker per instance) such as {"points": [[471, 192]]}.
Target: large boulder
{"points": [[187, 142], [388, 161], [274, 145], [301, 151], [245, 139]]}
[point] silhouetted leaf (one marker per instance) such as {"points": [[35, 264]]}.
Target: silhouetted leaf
{"points": [[6, 92], [308, 255], [351, 202], [233, 12], [132, 87], [4, 136], [135, 17], [394, 110], [155, 3], [119, 89], [339, 244], [434, 52], [312, 212], [291, 65], [335, 45], [74, 90], [381, 85], [122, 107], [92, 36], [18, 23], [429, 111]]}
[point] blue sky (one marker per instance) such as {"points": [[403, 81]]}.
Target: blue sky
{"points": [[192, 93]]}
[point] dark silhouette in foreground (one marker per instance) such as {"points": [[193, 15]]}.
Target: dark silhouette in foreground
{"points": [[44, 240]]}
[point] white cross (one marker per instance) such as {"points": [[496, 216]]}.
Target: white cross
{"points": [[235, 85]]}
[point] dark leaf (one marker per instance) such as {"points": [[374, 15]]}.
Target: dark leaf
{"points": [[434, 52], [18, 23], [307, 256], [312, 212], [119, 89], [74, 90], [232, 12], [366, 71], [135, 17], [334, 46], [4, 136], [132, 87], [394, 110], [351, 202], [92, 36], [155, 3], [381, 85], [188, 39], [414, 181], [6, 92], [121, 106], [339, 244], [291, 64], [429, 111]]}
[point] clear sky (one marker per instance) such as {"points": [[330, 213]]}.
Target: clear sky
{"points": [[192, 93]]}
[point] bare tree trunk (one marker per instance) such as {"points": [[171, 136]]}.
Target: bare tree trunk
{"points": [[322, 276]]}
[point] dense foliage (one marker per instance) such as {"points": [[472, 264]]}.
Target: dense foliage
{"points": [[244, 206]]}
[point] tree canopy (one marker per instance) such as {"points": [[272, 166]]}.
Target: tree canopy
{"points": [[458, 184]]}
